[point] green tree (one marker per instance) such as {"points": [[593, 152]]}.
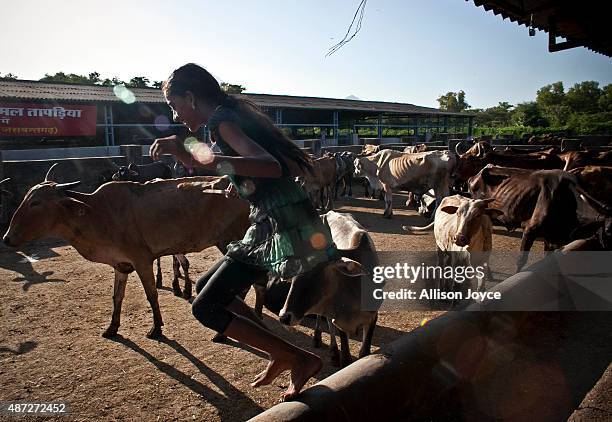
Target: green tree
{"points": [[232, 88], [453, 101], [605, 101], [528, 114], [8, 77], [551, 100], [583, 97], [112, 82], [92, 78], [551, 95], [496, 116], [138, 82], [157, 84]]}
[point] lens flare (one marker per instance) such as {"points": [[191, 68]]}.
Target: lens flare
{"points": [[424, 321], [225, 169], [124, 94], [318, 241], [199, 150], [162, 122]]}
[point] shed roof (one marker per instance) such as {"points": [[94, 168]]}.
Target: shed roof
{"points": [[34, 90], [582, 23]]}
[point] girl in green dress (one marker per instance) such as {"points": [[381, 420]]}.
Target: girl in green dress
{"points": [[286, 236]]}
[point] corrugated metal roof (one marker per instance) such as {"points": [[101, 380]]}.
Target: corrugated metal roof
{"points": [[582, 22], [32, 90]]}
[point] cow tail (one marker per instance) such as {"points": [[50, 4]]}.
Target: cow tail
{"points": [[419, 229]]}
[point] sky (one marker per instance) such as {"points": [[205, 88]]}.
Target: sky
{"points": [[408, 51]]}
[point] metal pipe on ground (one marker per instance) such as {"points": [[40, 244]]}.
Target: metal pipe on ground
{"points": [[474, 365]]}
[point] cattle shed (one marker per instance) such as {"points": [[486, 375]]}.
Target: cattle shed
{"points": [[580, 23], [45, 115]]}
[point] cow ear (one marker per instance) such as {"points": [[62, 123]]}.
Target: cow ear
{"points": [[449, 209], [75, 207], [494, 212], [348, 267]]}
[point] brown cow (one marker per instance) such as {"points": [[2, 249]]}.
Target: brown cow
{"points": [[575, 159], [476, 158], [544, 202], [597, 181], [128, 225]]}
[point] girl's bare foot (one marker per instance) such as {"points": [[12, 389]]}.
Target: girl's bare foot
{"points": [[301, 369], [300, 374]]}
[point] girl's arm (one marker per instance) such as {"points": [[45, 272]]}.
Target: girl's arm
{"points": [[254, 161]]}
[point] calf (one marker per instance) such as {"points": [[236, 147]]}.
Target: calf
{"points": [[332, 290], [463, 233], [353, 242], [128, 225]]}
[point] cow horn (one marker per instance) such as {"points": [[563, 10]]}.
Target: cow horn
{"points": [[49, 172], [64, 186], [458, 146], [5, 180]]}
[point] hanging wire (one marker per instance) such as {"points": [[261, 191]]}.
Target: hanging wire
{"points": [[346, 39]]}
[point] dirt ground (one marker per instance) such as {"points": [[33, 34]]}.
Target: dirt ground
{"points": [[54, 306]]}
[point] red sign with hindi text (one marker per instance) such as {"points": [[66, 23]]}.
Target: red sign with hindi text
{"points": [[22, 119]]}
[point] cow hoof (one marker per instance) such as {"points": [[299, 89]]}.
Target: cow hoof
{"points": [[110, 332], [219, 338], [187, 294], [155, 333], [158, 283], [387, 215], [177, 291], [316, 342]]}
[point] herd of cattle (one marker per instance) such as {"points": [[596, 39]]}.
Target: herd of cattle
{"points": [[146, 212]]}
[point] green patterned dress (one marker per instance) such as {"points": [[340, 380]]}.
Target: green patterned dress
{"points": [[286, 236]]}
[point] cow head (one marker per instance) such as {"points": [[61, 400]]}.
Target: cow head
{"points": [[126, 173], [469, 214], [358, 166], [313, 292], [45, 206], [472, 160]]}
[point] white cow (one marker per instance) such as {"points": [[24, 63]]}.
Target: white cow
{"points": [[416, 172], [463, 232]]}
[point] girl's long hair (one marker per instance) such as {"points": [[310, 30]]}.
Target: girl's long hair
{"points": [[203, 85]]}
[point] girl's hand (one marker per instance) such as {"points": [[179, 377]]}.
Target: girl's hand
{"points": [[170, 145]]}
